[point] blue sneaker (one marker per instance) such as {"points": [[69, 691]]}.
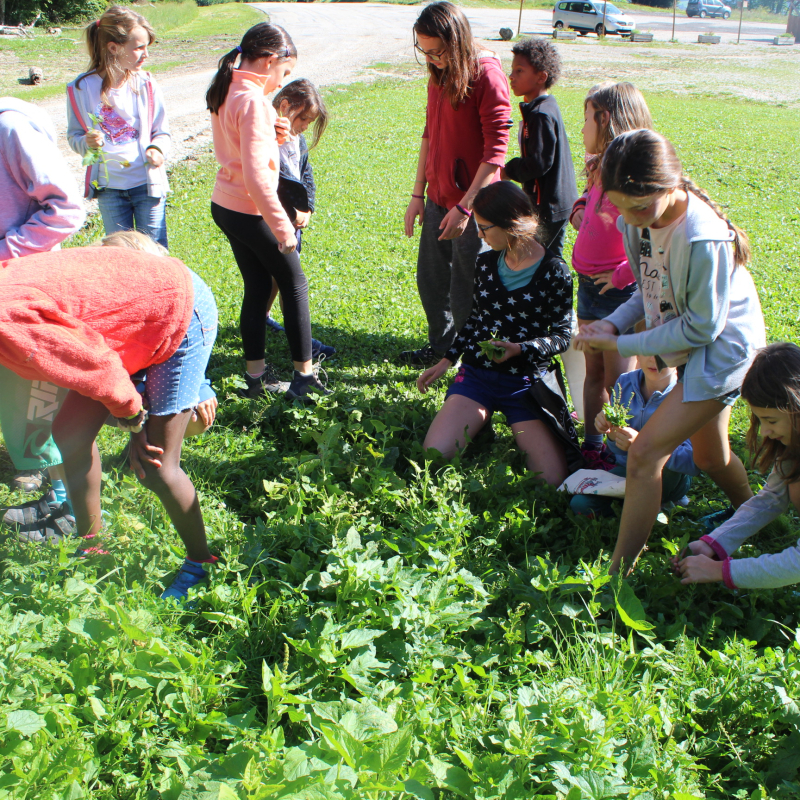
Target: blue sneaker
{"points": [[318, 349], [711, 522], [273, 325], [190, 574]]}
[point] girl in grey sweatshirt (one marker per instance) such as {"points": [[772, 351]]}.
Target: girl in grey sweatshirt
{"points": [[772, 388]]}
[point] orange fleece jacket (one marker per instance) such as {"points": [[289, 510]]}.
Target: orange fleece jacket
{"points": [[88, 318], [247, 151]]}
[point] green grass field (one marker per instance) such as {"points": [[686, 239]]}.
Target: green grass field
{"points": [[384, 628]]}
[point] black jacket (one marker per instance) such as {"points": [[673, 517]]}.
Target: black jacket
{"points": [[545, 167], [297, 195]]}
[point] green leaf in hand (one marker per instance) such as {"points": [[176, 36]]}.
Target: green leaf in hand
{"points": [[490, 350], [616, 412]]}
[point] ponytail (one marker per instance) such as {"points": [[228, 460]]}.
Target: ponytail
{"points": [[261, 41], [642, 162]]}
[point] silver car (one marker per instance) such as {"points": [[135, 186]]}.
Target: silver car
{"points": [[586, 16]]}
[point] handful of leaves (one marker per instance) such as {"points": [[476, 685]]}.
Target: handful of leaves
{"points": [[98, 155], [491, 350], [616, 412]]}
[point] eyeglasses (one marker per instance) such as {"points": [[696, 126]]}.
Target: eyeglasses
{"points": [[431, 56], [484, 228]]}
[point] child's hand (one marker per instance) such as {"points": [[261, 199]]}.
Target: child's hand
{"points": [[132, 424], [601, 423], [576, 220], [598, 335], [302, 218], [289, 245], [94, 138], [453, 225], [154, 156], [416, 208], [696, 548], [603, 279], [511, 349], [503, 174], [623, 437], [432, 374], [700, 569], [283, 130], [142, 452], [206, 411]]}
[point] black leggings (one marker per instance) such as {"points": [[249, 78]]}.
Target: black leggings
{"points": [[255, 249]]}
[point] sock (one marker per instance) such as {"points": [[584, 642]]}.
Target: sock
{"points": [[59, 490], [593, 441], [254, 377], [210, 560]]}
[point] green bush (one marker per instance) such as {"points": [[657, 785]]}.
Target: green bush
{"points": [[58, 11]]}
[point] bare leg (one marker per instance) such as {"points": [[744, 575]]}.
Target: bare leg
{"points": [[74, 430], [173, 486], [673, 422], [457, 415], [545, 454], [57, 472]]}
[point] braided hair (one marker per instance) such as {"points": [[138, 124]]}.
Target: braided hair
{"points": [[642, 162], [261, 41]]}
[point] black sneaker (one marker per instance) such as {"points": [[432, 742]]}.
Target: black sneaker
{"points": [[302, 386], [266, 383], [424, 357]]}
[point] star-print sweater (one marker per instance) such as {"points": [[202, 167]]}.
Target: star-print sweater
{"points": [[537, 316]]}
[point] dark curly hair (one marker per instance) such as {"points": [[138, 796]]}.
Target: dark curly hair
{"points": [[542, 56]]}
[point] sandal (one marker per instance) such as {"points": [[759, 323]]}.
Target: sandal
{"points": [[30, 515], [28, 480], [57, 525]]}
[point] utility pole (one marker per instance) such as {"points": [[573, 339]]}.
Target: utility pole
{"points": [[605, 2], [519, 24], [742, 4], [674, 12]]}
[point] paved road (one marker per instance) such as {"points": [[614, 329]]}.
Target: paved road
{"points": [[336, 41]]}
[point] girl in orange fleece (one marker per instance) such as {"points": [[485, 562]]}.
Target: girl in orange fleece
{"points": [[78, 319], [246, 207]]}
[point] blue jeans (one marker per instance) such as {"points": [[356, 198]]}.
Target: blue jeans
{"points": [[176, 385], [129, 209]]}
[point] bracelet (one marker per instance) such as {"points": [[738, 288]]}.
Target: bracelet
{"points": [[418, 196], [154, 147], [463, 210]]}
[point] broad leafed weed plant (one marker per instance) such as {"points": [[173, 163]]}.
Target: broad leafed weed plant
{"points": [[383, 626]]}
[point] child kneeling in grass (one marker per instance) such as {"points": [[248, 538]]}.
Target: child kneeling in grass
{"points": [[642, 392], [89, 318], [772, 388], [523, 301]]}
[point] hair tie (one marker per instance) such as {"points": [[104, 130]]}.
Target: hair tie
{"points": [[288, 54], [239, 48], [97, 23]]}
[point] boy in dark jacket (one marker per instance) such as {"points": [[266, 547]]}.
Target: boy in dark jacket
{"points": [[544, 167]]}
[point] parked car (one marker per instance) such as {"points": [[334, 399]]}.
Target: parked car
{"points": [[585, 16], [707, 8]]}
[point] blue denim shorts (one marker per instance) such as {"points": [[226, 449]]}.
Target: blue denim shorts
{"points": [[592, 305], [495, 391], [726, 399], [175, 385]]}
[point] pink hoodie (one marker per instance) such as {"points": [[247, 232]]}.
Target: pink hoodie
{"points": [[247, 151]]}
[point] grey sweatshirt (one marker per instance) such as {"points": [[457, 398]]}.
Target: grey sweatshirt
{"points": [[767, 571], [41, 203]]}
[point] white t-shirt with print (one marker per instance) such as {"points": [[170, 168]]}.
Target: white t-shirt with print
{"points": [[120, 124], [657, 290]]}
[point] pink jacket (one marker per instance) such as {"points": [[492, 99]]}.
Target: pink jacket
{"points": [[88, 318], [247, 151]]}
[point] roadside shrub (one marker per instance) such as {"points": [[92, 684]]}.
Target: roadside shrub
{"points": [[58, 11]]}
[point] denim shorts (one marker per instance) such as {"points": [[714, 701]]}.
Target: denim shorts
{"points": [[495, 391], [726, 399], [593, 306], [174, 386]]}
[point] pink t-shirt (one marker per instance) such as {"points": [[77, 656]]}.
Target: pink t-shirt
{"points": [[599, 245]]}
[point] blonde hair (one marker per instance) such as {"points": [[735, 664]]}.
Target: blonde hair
{"points": [[626, 108], [134, 240], [115, 26]]}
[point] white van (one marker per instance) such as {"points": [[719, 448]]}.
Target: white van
{"points": [[586, 16]]}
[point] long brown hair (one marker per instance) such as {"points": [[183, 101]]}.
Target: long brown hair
{"points": [[504, 204], [302, 96], [773, 381], [626, 108], [115, 26], [447, 22], [261, 41], [641, 163]]}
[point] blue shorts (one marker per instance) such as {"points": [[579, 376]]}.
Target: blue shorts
{"points": [[593, 306], [174, 386], [726, 399], [495, 391]]}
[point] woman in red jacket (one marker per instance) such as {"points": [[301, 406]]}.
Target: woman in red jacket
{"points": [[463, 146], [90, 318]]}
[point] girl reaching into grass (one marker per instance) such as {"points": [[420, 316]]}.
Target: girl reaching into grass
{"points": [[117, 122], [702, 314], [246, 207], [772, 389], [522, 306], [605, 280], [78, 319], [301, 104]]}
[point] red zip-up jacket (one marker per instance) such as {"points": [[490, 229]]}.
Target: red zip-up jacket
{"points": [[461, 139], [88, 318]]}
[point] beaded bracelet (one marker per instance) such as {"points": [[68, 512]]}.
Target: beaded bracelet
{"points": [[463, 210], [418, 196]]}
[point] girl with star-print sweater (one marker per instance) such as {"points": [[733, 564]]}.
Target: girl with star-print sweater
{"points": [[523, 304]]}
